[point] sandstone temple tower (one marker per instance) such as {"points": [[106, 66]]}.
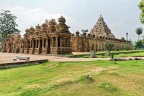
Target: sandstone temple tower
{"points": [[96, 39], [101, 29]]}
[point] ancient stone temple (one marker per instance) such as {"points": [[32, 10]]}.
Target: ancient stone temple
{"points": [[54, 38], [49, 38], [96, 39], [101, 29], [11, 43]]}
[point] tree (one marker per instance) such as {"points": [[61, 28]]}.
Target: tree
{"points": [[139, 44], [141, 7], [109, 46], [139, 32], [7, 23]]}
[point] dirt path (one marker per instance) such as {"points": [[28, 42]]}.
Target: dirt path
{"points": [[8, 58]]}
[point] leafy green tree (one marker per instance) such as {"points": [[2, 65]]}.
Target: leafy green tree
{"points": [[109, 46], [141, 7], [139, 32], [139, 44], [7, 23]]}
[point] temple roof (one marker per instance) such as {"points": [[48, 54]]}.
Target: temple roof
{"points": [[101, 29]]}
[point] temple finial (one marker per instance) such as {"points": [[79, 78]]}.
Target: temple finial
{"points": [[100, 14], [46, 21]]}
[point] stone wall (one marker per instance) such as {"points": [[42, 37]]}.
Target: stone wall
{"points": [[82, 43]]}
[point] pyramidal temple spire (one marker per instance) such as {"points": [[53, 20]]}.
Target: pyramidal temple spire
{"points": [[101, 19], [101, 29], [101, 16]]}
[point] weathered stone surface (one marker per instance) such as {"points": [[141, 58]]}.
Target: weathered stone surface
{"points": [[101, 29], [23, 58]]}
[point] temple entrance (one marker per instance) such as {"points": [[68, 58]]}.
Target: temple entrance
{"points": [[40, 44], [44, 43], [48, 43], [28, 44]]}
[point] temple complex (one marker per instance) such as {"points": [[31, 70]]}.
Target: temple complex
{"points": [[96, 39], [54, 38], [49, 38]]}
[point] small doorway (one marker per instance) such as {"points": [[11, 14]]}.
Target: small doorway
{"points": [[58, 42], [40, 43], [48, 49]]}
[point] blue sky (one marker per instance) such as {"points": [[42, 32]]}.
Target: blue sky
{"points": [[121, 16]]}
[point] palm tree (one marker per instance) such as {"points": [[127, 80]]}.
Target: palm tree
{"points": [[139, 32]]}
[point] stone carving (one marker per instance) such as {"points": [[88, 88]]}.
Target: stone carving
{"points": [[101, 29], [50, 38]]}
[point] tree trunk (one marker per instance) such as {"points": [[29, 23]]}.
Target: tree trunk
{"points": [[138, 37]]}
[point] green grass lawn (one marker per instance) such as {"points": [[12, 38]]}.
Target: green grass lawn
{"points": [[109, 78], [117, 54]]}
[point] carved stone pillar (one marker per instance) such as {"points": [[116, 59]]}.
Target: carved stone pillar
{"points": [[47, 43], [22, 45], [64, 42], [39, 43], [98, 46], [36, 43], [30, 43], [27, 45], [43, 43], [52, 42], [19, 44], [33, 44]]}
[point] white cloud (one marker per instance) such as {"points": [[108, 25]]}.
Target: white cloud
{"points": [[31, 17]]}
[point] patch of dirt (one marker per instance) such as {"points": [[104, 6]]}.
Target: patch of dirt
{"points": [[63, 79], [58, 81], [33, 86], [100, 69], [51, 65]]}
